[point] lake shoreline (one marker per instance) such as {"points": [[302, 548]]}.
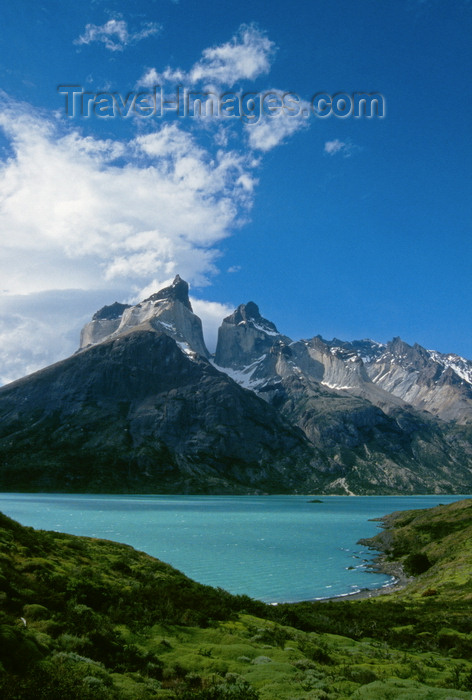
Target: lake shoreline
{"points": [[274, 549], [381, 566]]}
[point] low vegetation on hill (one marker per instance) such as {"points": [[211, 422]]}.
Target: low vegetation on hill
{"points": [[83, 618]]}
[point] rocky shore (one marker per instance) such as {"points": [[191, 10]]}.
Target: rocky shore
{"points": [[381, 565]]}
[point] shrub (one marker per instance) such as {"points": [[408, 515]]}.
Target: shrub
{"points": [[18, 649], [416, 564], [70, 642], [315, 652], [36, 612], [234, 687], [262, 660]]}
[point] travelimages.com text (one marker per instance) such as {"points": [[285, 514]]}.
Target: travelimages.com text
{"points": [[247, 106]]}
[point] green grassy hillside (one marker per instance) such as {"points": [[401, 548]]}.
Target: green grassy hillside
{"points": [[436, 543], [84, 619]]}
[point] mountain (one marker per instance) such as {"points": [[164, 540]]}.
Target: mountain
{"points": [[140, 411], [142, 406], [429, 380], [374, 440], [244, 337], [169, 310], [388, 376]]}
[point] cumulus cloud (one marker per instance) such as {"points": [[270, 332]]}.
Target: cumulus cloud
{"points": [[74, 215], [115, 34], [38, 329], [150, 78], [270, 130], [18, 354], [117, 217], [212, 314], [245, 57], [89, 213], [344, 148]]}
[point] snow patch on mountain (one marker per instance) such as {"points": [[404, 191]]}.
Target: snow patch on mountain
{"points": [[338, 387], [244, 376], [458, 364], [264, 329]]}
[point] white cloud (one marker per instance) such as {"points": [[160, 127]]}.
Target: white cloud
{"points": [[245, 57], [212, 313], [110, 216], [150, 78], [332, 147], [269, 131], [77, 219], [38, 329], [115, 34], [344, 148], [26, 345], [75, 216]]}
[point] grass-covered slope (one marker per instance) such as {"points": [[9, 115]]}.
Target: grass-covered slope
{"points": [[434, 546], [86, 618]]}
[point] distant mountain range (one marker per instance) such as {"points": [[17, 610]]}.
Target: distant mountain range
{"points": [[144, 407]]}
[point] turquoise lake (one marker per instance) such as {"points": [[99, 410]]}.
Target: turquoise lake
{"points": [[274, 548]]}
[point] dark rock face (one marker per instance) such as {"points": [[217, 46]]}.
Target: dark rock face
{"points": [[141, 409], [370, 451], [249, 313], [136, 414], [111, 312], [178, 291], [244, 337]]}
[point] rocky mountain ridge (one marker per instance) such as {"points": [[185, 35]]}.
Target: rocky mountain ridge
{"points": [[389, 375], [136, 413], [142, 406], [169, 311], [425, 379]]}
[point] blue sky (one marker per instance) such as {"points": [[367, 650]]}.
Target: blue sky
{"points": [[339, 226]]}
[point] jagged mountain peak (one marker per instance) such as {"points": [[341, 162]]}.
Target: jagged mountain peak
{"points": [[407, 356], [249, 313], [244, 337], [177, 291], [458, 364], [398, 345], [110, 312], [168, 311], [146, 400]]}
